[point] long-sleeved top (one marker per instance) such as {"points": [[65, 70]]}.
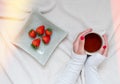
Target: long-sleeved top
{"points": [[75, 65]]}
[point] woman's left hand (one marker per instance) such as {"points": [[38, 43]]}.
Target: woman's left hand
{"points": [[104, 49], [78, 44]]}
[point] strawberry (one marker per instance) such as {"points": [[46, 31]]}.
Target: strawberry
{"points": [[36, 43], [32, 33], [48, 32], [40, 30], [46, 39]]}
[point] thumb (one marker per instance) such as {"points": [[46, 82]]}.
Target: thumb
{"points": [[82, 40], [81, 45], [101, 51], [82, 37], [106, 45]]}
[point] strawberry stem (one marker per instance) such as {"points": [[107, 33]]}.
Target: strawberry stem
{"points": [[30, 30], [34, 46], [49, 29]]}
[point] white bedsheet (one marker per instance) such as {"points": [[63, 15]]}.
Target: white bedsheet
{"points": [[74, 16]]}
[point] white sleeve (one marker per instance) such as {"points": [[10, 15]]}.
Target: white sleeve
{"points": [[72, 70], [91, 67]]}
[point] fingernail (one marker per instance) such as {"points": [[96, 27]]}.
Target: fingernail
{"points": [[104, 46], [82, 38]]}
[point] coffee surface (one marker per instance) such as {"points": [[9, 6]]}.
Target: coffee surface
{"points": [[93, 42]]}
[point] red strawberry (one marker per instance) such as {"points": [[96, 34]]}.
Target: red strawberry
{"points": [[48, 32], [36, 43], [32, 33], [46, 39], [40, 30]]}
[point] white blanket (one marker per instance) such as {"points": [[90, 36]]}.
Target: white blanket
{"points": [[74, 16]]}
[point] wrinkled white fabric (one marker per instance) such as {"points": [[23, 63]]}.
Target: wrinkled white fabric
{"points": [[30, 71]]}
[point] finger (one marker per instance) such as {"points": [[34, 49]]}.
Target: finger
{"points": [[106, 52], [105, 39], [106, 45], [102, 49], [86, 32], [76, 43], [77, 40], [82, 41], [82, 33], [81, 47], [75, 48], [78, 37]]}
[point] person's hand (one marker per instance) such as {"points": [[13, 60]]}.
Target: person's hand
{"points": [[104, 49], [96, 59], [78, 44]]}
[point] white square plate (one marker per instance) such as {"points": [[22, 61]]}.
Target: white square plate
{"points": [[43, 53]]}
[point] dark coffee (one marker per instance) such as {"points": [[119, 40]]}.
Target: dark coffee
{"points": [[93, 42]]}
